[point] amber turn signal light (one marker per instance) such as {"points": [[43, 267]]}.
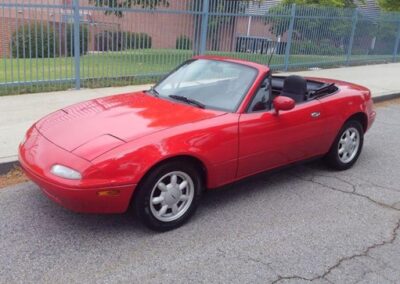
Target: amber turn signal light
{"points": [[108, 193]]}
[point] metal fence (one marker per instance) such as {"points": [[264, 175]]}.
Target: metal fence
{"points": [[53, 45]]}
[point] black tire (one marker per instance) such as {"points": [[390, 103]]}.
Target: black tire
{"points": [[142, 198], [333, 158]]}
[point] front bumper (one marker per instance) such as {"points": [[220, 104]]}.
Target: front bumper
{"points": [[37, 155]]}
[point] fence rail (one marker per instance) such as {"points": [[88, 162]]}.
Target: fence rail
{"points": [[60, 44]]}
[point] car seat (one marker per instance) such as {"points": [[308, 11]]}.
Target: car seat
{"points": [[295, 87]]}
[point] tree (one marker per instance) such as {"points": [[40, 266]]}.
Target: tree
{"points": [[117, 4], [390, 5], [330, 3], [327, 33], [279, 17]]}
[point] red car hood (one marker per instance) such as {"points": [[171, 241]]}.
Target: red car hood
{"points": [[108, 122]]}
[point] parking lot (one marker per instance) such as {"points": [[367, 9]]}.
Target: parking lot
{"points": [[295, 225]]}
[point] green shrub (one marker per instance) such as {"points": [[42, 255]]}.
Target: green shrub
{"points": [[116, 41], [140, 40], [312, 48], [101, 41], [83, 39], [183, 42], [37, 40]]}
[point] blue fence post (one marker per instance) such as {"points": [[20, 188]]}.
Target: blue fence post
{"points": [[290, 36], [77, 48], [353, 32], [396, 46], [204, 27]]}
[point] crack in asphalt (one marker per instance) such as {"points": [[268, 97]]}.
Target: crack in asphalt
{"points": [[261, 262], [248, 258], [307, 170], [353, 192], [394, 189], [364, 253]]}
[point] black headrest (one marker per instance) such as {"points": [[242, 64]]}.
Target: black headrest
{"points": [[295, 85]]}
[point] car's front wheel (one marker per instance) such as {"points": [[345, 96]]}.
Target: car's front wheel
{"points": [[168, 195], [347, 146]]}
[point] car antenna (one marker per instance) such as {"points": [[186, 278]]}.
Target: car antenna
{"points": [[272, 54]]}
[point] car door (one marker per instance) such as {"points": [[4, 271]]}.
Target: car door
{"points": [[268, 140]]}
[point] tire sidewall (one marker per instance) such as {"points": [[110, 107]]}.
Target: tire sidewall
{"points": [[333, 156], [143, 197]]}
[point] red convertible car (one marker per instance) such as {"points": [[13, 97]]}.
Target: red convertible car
{"points": [[210, 122]]}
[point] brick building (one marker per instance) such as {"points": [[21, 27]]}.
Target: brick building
{"points": [[164, 28]]}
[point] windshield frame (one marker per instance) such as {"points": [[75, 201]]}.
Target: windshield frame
{"points": [[236, 108], [253, 96]]}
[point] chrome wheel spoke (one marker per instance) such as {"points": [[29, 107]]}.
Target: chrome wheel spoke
{"points": [[163, 210], [157, 200], [161, 186], [174, 178], [183, 184], [174, 209], [183, 198]]}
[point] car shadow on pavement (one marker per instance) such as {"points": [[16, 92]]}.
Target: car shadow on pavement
{"points": [[261, 182]]}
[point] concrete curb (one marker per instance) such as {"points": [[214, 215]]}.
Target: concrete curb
{"points": [[386, 97], [6, 167]]}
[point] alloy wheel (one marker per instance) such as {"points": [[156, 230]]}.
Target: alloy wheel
{"points": [[171, 196]]}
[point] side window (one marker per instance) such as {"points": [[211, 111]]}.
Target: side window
{"points": [[261, 100]]}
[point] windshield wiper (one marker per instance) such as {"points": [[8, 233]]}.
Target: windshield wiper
{"points": [[154, 92], [187, 100]]}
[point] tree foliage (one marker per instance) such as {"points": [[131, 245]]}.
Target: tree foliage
{"points": [[333, 21], [118, 4], [390, 5], [37, 40], [183, 42], [118, 41], [83, 39], [330, 3], [328, 32]]}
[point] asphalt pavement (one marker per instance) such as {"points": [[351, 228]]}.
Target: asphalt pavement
{"points": [[292, 226]]}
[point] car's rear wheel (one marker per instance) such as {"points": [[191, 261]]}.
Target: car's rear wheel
{"points": [[347, 146], [168, 195]]}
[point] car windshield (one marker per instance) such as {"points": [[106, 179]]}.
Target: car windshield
{"points": [[208, 83]]}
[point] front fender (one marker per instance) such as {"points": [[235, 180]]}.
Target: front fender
{"points": [[214, 143]]}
